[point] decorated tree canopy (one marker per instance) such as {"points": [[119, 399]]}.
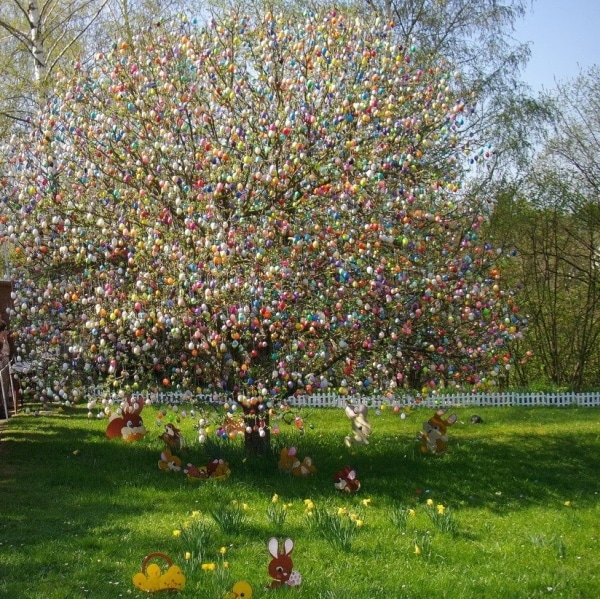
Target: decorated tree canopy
{"points": [[258, 207]]}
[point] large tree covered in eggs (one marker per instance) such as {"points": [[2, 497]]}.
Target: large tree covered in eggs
{"points": [[256, 207]]}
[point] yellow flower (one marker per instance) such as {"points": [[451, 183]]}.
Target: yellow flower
{"points": [[309, 504], [223, 550], [353, 517], [417, 550], [440, 509], [359, 523], [195, 514], [430, 502], [287, 506], [225, 564], [411, 513], [176, 533], [208, 567], [188, 555], [245, 506], [568, 503], [275, 498], [342, 511], [366, 502]]}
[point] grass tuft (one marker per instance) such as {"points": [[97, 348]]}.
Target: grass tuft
{"points": [[441, 517], [230, 517], [399, 515], [338, 529]]}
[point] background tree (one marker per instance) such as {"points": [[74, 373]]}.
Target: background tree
{"points": [[260, 208], [44, 32], [556, 233], [39, 36]]}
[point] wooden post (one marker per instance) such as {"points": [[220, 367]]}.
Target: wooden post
{"points": [[8, 388]]}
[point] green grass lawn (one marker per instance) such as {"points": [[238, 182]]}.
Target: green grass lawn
{"points": [[520, 496]]}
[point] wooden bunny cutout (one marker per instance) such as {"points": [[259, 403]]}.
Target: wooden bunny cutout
{"points": [[281, 566], [127, 424], [433, 437]]}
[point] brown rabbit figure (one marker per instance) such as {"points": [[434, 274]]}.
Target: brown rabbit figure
{"points": [[281, 566], [128, 424], [433, 437]]}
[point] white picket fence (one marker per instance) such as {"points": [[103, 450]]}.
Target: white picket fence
{"points": [[334, 400]]}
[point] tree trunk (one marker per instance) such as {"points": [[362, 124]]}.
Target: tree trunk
{"points": [[257, 436]]}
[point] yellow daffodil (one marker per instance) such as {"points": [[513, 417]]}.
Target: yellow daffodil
{"points": [[309, 504], [176, 533], [223, 550], [225, 564], [440, 509], [359, 523], [417, 550], [195, 514], [568, 503], [366, 502], [353, 517], [342, 511], [188, 555], [411, 513], [287, 506], [208, 567], [430, 502], [275, 498]]}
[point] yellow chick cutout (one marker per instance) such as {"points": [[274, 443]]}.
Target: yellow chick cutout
{"points": [[152, 579], [241, 590]]}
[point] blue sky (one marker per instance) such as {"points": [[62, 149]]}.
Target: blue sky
{"points": [[565, 36]]}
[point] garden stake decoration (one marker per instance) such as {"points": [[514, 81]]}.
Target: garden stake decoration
{"points": [[216, 469], [240, 590], [202, 424], [127, 423], [281, 565], [361, 428], [169, 462], [345, 480], [152, 579], [433, 437], [304, 467], [290, 462], [172, 437]]}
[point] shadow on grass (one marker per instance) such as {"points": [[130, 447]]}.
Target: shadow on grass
{"points": [[514, 472], [63, 479]]}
